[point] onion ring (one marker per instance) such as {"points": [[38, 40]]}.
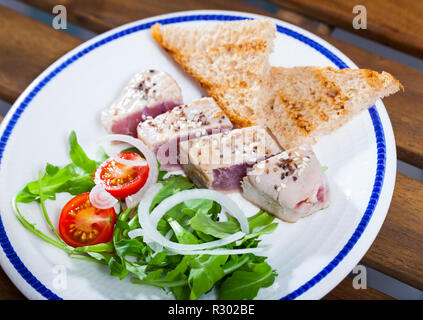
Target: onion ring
{"points": [[149, 222], [101, 199]]}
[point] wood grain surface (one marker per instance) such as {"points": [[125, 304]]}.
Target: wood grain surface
{"points": [[7, 289], [103, 15], [397, 250], [28, 47], [396, 23], [346, 291]]}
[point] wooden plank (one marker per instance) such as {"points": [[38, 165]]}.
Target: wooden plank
{"points": [[346, 291], [396, 23], [27, 47], [302, 21], [103, 15], [7, 289], [397, 250]]}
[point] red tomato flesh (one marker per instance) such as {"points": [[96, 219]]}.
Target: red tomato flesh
{"points": [[81, 224], [121, 180]]}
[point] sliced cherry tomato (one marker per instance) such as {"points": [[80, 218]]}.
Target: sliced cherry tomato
{"points": [[121, 180], [81, 224]]}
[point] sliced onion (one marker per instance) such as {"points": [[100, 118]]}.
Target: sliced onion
{"points": [[149, 222], [135, 233], [226, 202], [101, 199], [153, 172], [140, 233], [117, 207], [219, 252]]}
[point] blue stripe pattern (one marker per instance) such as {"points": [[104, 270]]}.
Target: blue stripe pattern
{"points": [[378, 128]]}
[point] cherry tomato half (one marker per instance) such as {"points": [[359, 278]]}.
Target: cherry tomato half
{"points": [[81, 224], [121, 180]]}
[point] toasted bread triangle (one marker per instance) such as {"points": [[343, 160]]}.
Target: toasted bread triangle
{"points": [[313, 101], [229, 59]]}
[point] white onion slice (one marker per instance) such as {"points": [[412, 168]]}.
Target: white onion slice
{"points": [[153, 172], [140, 232], [227, 203], [149, 222], [117, 207], [101, 199], [135, 233], [219, 252]]}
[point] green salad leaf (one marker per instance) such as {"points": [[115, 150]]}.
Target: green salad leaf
{"points": [[245, 283], [74, 178], [205, 224], [205, 271]]}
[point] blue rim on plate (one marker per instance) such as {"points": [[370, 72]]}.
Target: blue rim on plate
{"points": [[378, 128]]}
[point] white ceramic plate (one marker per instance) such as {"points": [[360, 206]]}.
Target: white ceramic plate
{"points": [[311, 256]]}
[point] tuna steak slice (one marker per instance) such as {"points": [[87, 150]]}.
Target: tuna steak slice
{"points": [[163, 133], [148, 93], [221, 160], [290, 185]]}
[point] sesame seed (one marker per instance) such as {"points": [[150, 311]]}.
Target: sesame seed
{"points": [[260, 165]]}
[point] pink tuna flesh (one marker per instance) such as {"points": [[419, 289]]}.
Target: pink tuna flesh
{"points": [[129, 124]]}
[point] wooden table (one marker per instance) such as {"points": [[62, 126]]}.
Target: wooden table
{"points": [[27, 47]]}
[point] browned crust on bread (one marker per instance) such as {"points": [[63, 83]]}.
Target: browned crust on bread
{"points": [[155, 32], [311, 101]]}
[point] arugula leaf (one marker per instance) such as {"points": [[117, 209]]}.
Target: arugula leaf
{"points": [[182, 234], [175, 279], [135, 268], [117, 267], [245, 284], [74, 178], [205, 271], [51, 170], [266, 230], [260, 219], [131, 247], [159, 259], [78, 156], [205, 224], [25, 196], [235, 262]]}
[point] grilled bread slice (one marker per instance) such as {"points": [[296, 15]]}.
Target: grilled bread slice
{"points": [[229, 59], [313, 101]]}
